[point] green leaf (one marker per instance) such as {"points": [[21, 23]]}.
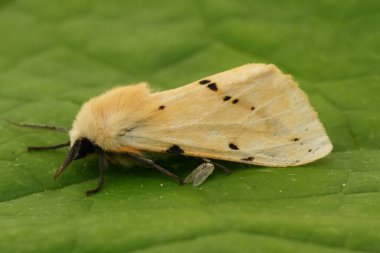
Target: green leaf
{"points": [[57, 54]]}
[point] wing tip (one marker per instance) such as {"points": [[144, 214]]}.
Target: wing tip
{"points": [[270, 68], [324, 151]]}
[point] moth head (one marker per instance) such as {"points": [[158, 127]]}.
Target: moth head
{"points": [[78, 149]]}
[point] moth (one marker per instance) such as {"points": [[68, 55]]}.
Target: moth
{"points": [[251, 114]]}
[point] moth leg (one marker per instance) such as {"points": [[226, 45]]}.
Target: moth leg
{"points": [[218, 165], [46, 127], [151, 163], [102, 167], [66, 144]]}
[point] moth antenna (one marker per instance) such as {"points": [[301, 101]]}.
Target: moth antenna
{"points": [[39, 148], [46, 127], [102, 167], [73, 152]]}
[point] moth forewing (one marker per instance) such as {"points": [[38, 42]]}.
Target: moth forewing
{"points": [[252, 114]]}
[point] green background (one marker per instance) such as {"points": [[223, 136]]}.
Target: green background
{"points": [[54, 55]]}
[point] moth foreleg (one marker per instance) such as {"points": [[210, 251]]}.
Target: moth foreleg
{"points": [[151, 163], [102, 167]]}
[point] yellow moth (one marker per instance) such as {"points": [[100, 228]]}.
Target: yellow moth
{"points": [[252, 114]]}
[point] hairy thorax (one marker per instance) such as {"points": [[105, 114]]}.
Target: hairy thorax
{"points": [[106, 117]]}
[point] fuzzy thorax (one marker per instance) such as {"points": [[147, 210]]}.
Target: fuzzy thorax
{"points": [[105, 118]]}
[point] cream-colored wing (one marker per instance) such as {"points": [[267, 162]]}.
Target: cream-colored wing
{"points": [[252, 114]]}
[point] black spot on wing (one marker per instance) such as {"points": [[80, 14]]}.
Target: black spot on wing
{"points": [[233, 146], [226, 98], [204, 81], [248, 159], [253, 108], [212, 86], [295, 139], [235, 101], [161, 107], [175, 149]]}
